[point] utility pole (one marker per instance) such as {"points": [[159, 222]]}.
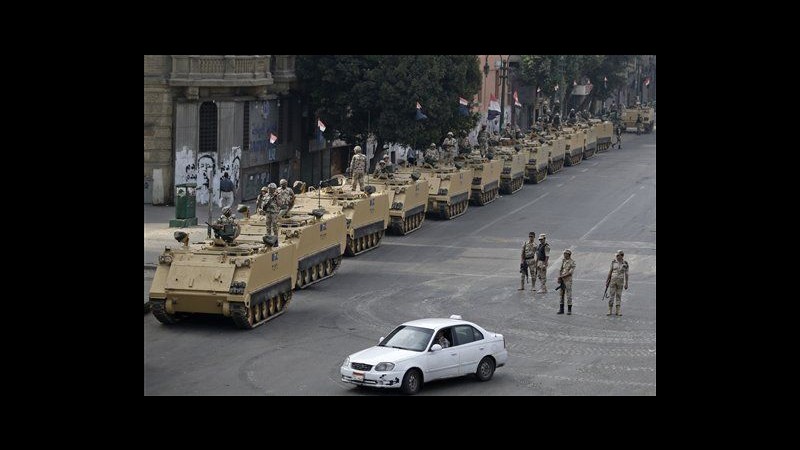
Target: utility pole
{"points": [[503, 77]]}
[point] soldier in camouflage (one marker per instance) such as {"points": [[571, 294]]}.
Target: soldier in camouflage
{"points": [[529, 257], [431, 155], [483, 140], [542, 258], [358, 165], [271, 207], [261, 197], [449, 147], [565, 276], [226, 217], [286, 197], [617, 276]]}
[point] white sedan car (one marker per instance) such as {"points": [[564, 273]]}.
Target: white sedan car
{"points": [[425, 350]]}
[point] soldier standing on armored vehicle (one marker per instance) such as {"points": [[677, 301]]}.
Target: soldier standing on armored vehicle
{"points": [[449, 147], [483, 140], [286, 196], [557, 121], [358, 165], [432, 155], [388, 162], [464, 147], [542, 258], [528, 258], [271, 207], [261, 197]]}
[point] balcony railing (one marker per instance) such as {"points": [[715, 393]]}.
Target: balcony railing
{"points": [[221, 70]]}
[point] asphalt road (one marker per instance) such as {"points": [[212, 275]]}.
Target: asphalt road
{"points": [[467, 266]]}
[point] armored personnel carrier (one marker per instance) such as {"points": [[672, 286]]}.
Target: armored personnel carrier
{"points": [[485, 177], [367, 213], [629, 116], [575, 139], [243, 274], [512, 176], [557, 148], [408, 200], [604, 132], [448, 188], [538, 159], [590, 145]]}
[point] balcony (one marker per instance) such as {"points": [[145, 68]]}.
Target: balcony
{"points": [[226, 70]]}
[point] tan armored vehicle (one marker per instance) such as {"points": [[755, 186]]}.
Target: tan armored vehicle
{"points": [[604, 133], [243, 274], [538, 160], [557, 149], [408, 200], [512, 176], [629, 116], [448, 189], [367, 214], [485, 177], [590, 145], [575, 139]]}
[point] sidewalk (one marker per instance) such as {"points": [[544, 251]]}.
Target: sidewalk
{"points": [[158, 234]]}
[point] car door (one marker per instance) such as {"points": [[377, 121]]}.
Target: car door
{"points": [[470, 350], [443, 363]]}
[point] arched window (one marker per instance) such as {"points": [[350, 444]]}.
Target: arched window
{"points": [[208, 127]]}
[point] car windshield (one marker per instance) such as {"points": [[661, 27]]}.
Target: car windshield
{"points": [[408, 338]]}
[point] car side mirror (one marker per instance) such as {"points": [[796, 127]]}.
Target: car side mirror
{"points": [[436, 348], [380, 340]]}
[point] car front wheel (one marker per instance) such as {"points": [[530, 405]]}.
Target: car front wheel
{"points": [[485, 369], [412, 382]]}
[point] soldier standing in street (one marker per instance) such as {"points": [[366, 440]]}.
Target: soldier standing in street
{"points": [[271, 208], [286, 197], [565, 276], [449, 147], [542, 258], [528, 257], [617, 275], [358, 165]]}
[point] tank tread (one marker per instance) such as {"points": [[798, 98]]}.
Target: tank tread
{"points": [[363, 244], [514, 186], [257, 315], [408, 225], [588, 153], [555, 167], [573, 160], [483, 198], [306, 278], [541, 174], [159, 309], [455, 210]]}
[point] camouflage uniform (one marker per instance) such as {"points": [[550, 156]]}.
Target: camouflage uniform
{"points": [[260, 200], [449, 147], [225, 220], [483, 141], [271, 208], [465, 146], [285, 198], [566, 272], [618, 276], [431, 155], [529, 256], [542, 256], [358, 165]]}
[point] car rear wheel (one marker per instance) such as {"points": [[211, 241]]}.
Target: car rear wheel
{"points": [[485, 369], [412, 382]]}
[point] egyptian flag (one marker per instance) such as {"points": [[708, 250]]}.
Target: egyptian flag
{"points": [[462, 106], [321, 126], [272, 138], [516, 99], [494, 108], [420, 115]]}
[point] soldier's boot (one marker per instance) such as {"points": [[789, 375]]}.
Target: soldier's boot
{"points": [[618, 313], [560, 308], [610, 310], [569, 309]]}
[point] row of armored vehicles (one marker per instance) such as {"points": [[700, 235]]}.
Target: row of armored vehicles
{"points": [[249, 275]]}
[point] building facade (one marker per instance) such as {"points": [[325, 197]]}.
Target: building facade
{"points": [[210, 114]]}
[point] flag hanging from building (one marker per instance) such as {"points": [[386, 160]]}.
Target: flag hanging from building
{"points": [[321, 125], [494, 108], [272, 138], [516, 99], [647, 82], [420, 115], [462, 106]]}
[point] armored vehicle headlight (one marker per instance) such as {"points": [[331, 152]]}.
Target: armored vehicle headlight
{"points": [[442, 191], [384, 367], [165, 259]]}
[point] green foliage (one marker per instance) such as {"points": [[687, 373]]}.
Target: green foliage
{"points": [[352, 94]]}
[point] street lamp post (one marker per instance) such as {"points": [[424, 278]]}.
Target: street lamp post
{"points": [[503, 76]]}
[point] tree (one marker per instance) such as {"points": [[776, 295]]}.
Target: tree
{"points": [[356, 94]]}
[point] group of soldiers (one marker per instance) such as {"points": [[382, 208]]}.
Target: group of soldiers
{"points": [[535, 258], [274, 202]]}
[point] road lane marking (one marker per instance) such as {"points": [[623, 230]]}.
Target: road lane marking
{"points": [[512, 212], [606, 217]]}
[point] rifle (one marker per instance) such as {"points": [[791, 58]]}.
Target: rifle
{"points": [[560, 283], [523, 269], [605, 295]]}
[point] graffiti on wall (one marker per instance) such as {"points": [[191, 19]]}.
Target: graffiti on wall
{"points": [[206, 165], [209, 167], [185, 166]]}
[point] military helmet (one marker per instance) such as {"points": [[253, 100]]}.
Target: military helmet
{"points": [[284, 182], [263, 189], [386, 156], [272, 186], [542, 236], [568, 252], [226, 211], [620, 252], [433, 145], [383, 163], [450, 133], [357, 149]]}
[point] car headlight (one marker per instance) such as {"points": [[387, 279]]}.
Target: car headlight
{"points": [[346, 363], [384, 367]]}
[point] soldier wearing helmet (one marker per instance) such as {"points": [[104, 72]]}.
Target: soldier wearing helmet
{"points": [[617, 279], [449, 148], [542, 258], [270, 208], [226, 216], [260, 200], [358, 165], [528, 258], [286, 197], [565, 277], [431, 155], [483, 140]]}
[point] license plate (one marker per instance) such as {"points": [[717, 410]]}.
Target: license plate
{"points": [[358, 376]]}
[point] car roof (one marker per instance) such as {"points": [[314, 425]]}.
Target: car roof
{"points": [[437, 323]]}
